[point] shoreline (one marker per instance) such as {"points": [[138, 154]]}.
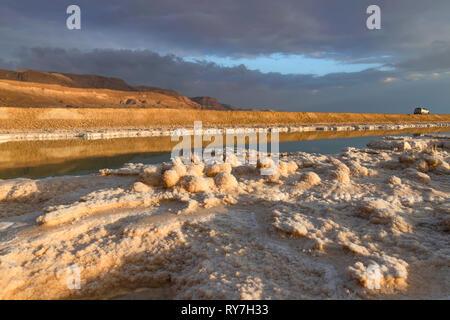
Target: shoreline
{"points": [[100, 134], [315, 229]]}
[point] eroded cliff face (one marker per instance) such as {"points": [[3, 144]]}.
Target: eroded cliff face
{"points": [[33, 88], [66, 79], [363, 223], [30, 94]]}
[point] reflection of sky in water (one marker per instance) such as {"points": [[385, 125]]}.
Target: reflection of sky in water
{"points": [[325, 146]]}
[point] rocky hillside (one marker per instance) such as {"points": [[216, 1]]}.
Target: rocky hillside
{"points": [[212, 104], [33, 88], [66, 79]]}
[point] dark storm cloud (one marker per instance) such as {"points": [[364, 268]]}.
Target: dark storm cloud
{"points": [[150, 68], [436, 58], [413, 43], [368, 91], [237, 28]]}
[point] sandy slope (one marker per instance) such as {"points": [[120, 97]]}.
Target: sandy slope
{"points": [[82, 119], [224, 231], [32, 88], [30, 94]]}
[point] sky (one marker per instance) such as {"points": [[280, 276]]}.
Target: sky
{"points": [[292, 55]]}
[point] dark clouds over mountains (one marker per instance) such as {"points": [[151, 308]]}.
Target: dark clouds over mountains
{"points": [[144, 42]]}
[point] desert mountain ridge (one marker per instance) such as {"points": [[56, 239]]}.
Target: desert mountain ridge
{"points": [[34, 88]]}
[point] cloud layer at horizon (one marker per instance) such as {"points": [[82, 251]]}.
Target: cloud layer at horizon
{"points": [[145, 43]]}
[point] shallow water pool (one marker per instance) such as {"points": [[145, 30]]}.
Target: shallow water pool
{"points": [[37, 159]]}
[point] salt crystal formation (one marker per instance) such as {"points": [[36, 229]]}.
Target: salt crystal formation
{"points": [[364, 223]]}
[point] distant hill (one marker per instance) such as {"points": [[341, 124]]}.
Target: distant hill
{"points": [[212, 104], [13, 92], [66, 79]]}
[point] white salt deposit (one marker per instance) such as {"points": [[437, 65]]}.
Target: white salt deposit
{"points": [[321, 227]]}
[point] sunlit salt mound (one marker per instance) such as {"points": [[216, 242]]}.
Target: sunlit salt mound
{"points": [[359, 224], [225, 181], [171, 177], [215, 169], [197, 183], [341, 173], [311, 178]]}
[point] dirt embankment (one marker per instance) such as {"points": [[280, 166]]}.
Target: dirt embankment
{"points": [[95, 118]]}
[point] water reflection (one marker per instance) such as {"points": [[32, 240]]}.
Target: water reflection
{"points": [[34, 159]]}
